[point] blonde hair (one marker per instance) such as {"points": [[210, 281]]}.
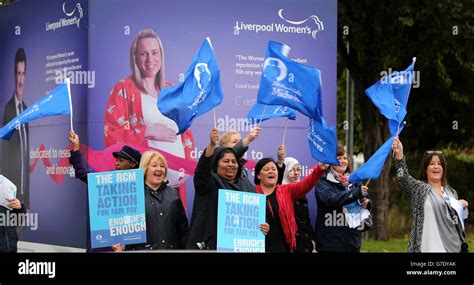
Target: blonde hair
{"points": [[225, 138], [148, 156], [136, 72]]}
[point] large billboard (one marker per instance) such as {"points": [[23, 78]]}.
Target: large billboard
{"points": [[91, 42], [40, 43], [240, 32]]}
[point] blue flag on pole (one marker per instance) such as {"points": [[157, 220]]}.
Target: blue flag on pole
{"points": [[373, 167], [269, 112], [200, 92], [322, 141], [288, 83], [56, 103], [390, 95]]}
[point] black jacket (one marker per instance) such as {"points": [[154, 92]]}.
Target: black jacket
{"points": [[203, 229], [80, 170], [305, 233], [332, 232], [8, 235], [166, 221], [11, 152]]}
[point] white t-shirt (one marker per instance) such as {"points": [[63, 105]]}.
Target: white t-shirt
{"points": [[152, 115], [431, 239]]}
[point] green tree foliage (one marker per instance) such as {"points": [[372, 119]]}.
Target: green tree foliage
{"points": [[387, 34]]}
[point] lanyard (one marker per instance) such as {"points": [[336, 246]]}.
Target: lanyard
{"points": [[269, 205]]}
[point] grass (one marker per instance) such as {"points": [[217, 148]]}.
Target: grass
{"points": [[398, 245], [392, 245]]}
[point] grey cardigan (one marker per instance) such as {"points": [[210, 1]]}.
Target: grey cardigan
{"points": [[418, 191]]}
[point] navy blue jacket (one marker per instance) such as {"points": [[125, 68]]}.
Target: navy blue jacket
{"points": [[80, 170], [332, 232]]}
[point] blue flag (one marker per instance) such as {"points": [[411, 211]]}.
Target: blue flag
{"points": [[288, 83], [373, 167], [269, 112], [56, 103], [322, 141], [200, 92], [390, 95]]}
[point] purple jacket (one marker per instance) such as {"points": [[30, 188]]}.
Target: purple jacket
{"points": [[80, 170]]}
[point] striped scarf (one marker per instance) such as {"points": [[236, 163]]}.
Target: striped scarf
{"points": [[341, 178]]}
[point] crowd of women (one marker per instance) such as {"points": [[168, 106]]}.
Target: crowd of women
{"points": [[132, 117], [436, 226]]}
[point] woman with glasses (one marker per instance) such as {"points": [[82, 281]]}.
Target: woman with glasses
{"points": [[435, 208]]}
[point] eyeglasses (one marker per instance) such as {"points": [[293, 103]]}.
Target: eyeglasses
{"points": [[434, 151]]}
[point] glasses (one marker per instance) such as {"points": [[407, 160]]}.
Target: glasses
{"points": [[434, 151]]}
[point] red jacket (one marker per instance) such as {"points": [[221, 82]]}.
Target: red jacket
{"points": [[286, 196], [124, 123]]}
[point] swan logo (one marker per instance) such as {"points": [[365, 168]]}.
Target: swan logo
{"points": [[274, 69], [202, 75], [74, 17], [319, 26], [77, 8]]}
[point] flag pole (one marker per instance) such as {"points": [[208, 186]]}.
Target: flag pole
{"points": [[411, 83], [215, 124], [284, 132], [413, 76], [68, 83], [261, 118], [367, 183], [398, 129]]}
